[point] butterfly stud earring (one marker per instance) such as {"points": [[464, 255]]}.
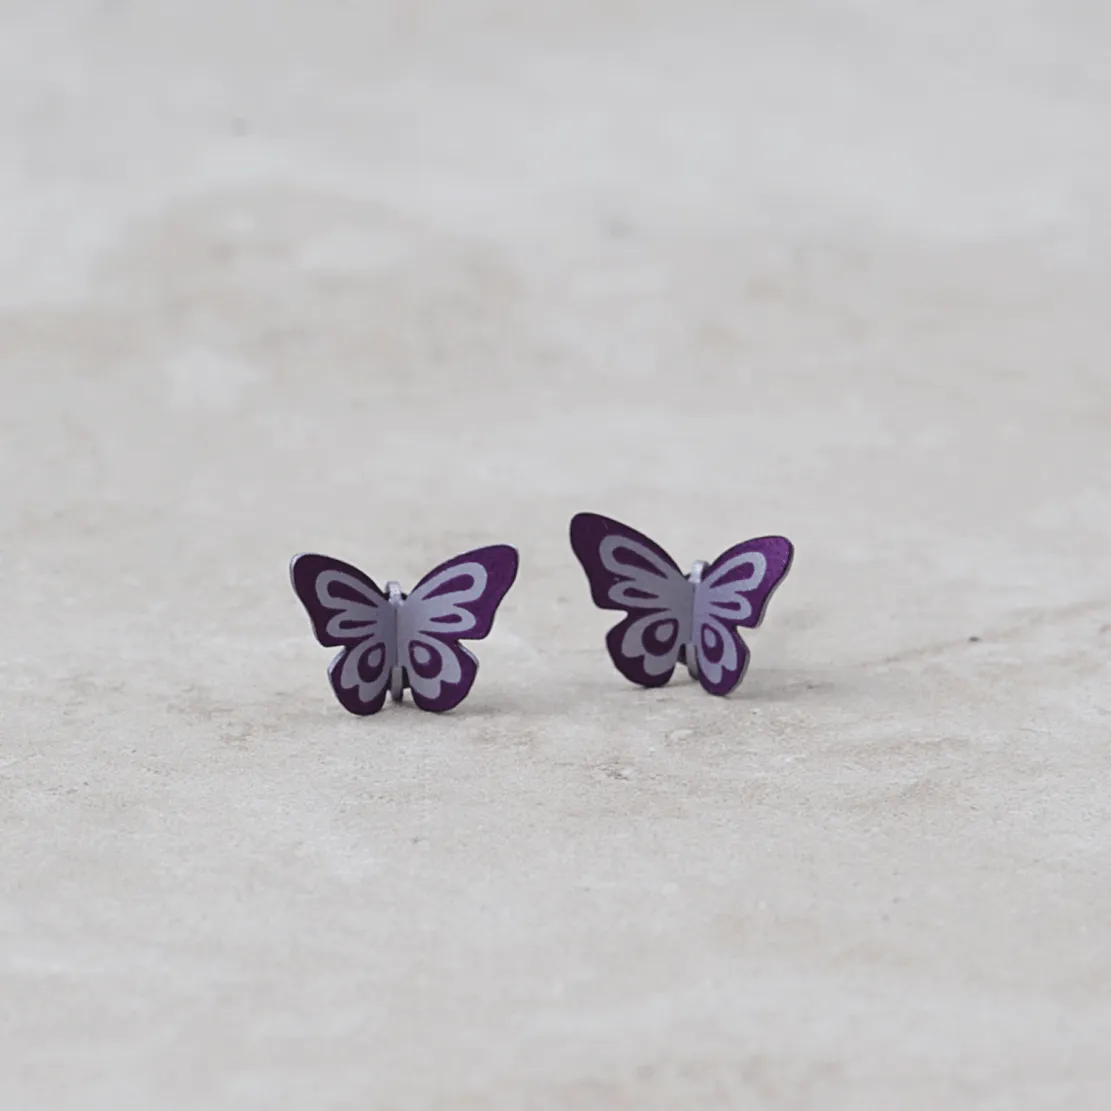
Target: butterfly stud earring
{"points": [[673, 618], [390, 640]]}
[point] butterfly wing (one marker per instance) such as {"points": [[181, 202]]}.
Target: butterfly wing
{"points": [[349, 611], [629, 572], [455, 601], [735, 590]]}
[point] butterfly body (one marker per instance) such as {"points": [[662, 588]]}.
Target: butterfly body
{"points": [[673, 618], [391, 641]]}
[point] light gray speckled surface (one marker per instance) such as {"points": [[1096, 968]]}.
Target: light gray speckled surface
{"points": [[386, 280]]}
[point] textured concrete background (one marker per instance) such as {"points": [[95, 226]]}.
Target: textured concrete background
{"points": [[388, 280]]}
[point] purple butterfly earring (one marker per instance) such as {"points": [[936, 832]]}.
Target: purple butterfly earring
{"points": [[391, 640], [674, 618]]}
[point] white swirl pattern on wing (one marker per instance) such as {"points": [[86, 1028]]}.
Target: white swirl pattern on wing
{"points": [[423, 620], [371, 620], [352, 619], [727, 599], [718, 607], [663, 590], [350, 676]]}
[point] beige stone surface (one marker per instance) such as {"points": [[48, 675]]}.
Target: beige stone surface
{"points": [[387, 280]]}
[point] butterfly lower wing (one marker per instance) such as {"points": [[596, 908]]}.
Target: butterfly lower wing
{"points": [[349, 611], [455, 601], [734, 591], [629, 572], [722, 656]]}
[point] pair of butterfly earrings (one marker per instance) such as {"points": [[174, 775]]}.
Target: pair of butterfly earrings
{"points": [[391, 641]]}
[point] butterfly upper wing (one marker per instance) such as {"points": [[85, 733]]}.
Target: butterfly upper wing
{"points": [[735, 590], [455, 601], [349, 611], [629, 572]]}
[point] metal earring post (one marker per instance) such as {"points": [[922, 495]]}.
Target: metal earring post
{"points": [[690, 649], [397, 672]]}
